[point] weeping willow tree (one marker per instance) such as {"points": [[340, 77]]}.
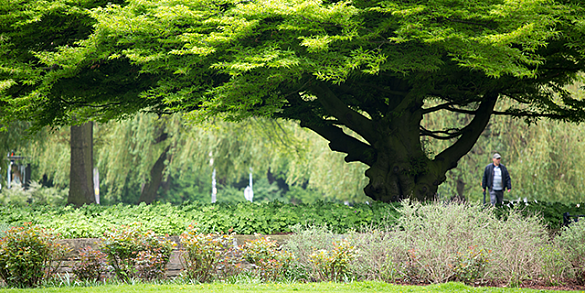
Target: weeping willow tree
{"points": [[268, 147], [171, 156]]}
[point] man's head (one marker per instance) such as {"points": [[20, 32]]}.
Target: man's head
{"points": [[496, 158]]}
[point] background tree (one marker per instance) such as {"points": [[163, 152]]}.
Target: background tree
{"points": [[29, 27], [377, 68], [81, 188]]}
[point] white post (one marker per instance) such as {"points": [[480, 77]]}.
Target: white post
{"points": [[96, 185], [251, 189], [213, 186], [8, 178], [249, 192]]}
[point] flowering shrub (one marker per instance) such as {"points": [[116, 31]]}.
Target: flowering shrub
{"points": [[270, 260], [209, 255], [135, 253], [91, 265], [333, 265], [28, 254], [470, 265]]}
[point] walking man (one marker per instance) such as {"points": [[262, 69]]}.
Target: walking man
{"points": [[496, 178]]}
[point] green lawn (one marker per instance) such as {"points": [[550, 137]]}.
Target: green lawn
{"points": [[281, 288]]}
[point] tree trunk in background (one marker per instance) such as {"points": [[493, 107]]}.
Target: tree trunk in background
{"points": [[81, 189], [149, 190]]}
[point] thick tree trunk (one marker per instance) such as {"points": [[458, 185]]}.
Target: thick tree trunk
{"points": [[150, 188], [391, 142], [81, 189], [402, 169]]}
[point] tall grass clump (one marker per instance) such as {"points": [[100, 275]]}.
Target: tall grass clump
{"points": [[572, 240]]}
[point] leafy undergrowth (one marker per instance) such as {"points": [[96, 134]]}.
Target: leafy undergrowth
{"points": [[242, 218]]}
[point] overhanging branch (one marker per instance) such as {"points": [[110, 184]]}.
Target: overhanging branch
{"points": [[448, 133], [338, 109], [448, 158], [356, 150]]}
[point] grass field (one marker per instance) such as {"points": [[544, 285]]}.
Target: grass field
{"points": [[365, 287]]}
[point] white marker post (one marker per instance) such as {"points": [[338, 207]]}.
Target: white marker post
{"points": [[213, 186]]}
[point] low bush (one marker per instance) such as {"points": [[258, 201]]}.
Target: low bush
{"points": [[28, 255], [209, 256], [270, 261], [134, 253], [334, 264], [91, 265], [572, 242], [556, 266], [302, 243], [470, 265]]}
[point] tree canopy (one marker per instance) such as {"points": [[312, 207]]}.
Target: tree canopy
{"points": [[362, 74]]}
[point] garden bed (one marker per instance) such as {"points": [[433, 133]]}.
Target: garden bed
{"points": [[435, 243]]}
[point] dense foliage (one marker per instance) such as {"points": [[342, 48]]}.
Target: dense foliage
{"points": [[377, 68], [28, 254], [241, 218]]}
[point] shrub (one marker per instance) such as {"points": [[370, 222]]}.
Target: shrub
{"points": [[334, 264], [270, 260], [555, 263], [209, 255], [375, 260], [34, 194], [91, 264], [28, 255], [572, 239], [302, 243], [431, 244], [471, 264], [515, 241], [134, 253], [423, 246]]}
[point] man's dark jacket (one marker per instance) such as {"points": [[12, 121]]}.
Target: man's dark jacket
{"points": [[488, 177]]}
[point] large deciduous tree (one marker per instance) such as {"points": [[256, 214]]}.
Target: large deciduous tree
{"points": [[362, 74]]}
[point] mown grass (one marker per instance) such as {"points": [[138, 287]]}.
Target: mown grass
{"points": [[362, 287]]}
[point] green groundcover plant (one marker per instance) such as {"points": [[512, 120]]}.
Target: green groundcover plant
{"points": [[91, 221]]}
